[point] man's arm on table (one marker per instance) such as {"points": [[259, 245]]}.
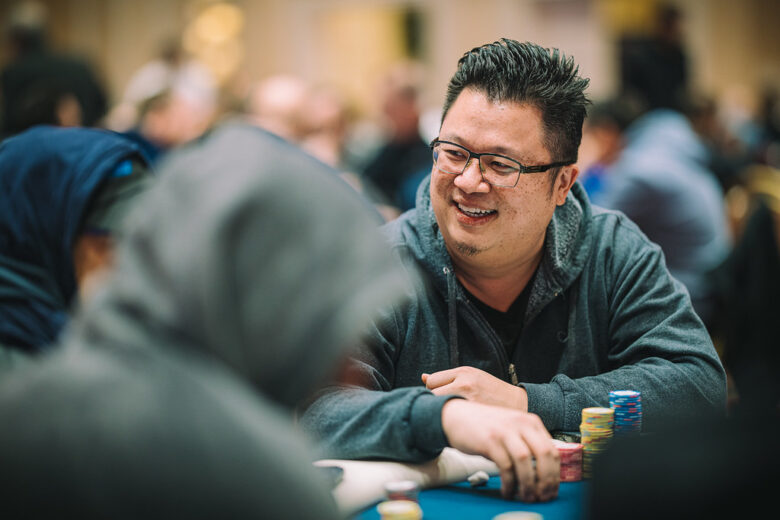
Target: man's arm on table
{"points": [[413, 425], [657, 346]]}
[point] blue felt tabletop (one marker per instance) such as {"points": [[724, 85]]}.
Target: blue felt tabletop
{"points": [[461, 501]]}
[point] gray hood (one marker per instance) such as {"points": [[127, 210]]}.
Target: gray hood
{"points": [[250, 252]]}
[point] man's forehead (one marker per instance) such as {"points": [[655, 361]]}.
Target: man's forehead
{"points": [[473, 115]]}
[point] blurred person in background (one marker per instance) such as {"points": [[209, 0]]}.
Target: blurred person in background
{"points": [[168, 102], [656, 68], [326, 120], [64, 193], [405, 154], [314, 118], [41, 86], [279, 104], [240, 282], [602, 143], [769, 119], [727, 157], [660, 179]]}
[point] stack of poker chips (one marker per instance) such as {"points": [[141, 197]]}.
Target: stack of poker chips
{"points": [[628, 412], [571, 460], [596, 430], [402, 490], [400, 501]]}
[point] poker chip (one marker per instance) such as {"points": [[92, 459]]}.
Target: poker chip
{"points": [[518, 515], [628, 412], [399, 510], [571, 460], [596, 431], [402, 490]]}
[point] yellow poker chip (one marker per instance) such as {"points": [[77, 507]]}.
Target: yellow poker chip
{"points": [[399, 510], [518, 515]]}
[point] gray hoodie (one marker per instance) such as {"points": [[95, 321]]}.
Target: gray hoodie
{"points": [[603, 314], [242, 278]]}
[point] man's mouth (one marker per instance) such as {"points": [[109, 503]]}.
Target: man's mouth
{"points": [[475, 212]]}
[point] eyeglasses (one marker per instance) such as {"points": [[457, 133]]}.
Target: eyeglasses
{"points": [[497, 170]]}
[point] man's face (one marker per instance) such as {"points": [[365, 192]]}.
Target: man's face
{"points": [[483, 224]]}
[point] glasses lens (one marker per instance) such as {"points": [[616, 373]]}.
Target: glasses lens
{"points": [[450, 158], [500, 170]]}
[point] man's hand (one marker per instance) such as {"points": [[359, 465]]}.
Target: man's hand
{"points": [[509, 438], [477, 385]]}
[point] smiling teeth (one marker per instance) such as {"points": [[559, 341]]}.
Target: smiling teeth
{"points": [[476, 212]]}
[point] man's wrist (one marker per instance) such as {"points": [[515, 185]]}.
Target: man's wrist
{"points": [[521, 398]]}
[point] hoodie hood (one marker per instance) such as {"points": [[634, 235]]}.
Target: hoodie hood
{"points": [[566, 246], [48, 177], [251, 252]]}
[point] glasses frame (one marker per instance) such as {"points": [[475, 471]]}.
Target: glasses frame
{"points": [[521, 168]]}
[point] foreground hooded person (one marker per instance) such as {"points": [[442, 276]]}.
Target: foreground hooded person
{"points": [[243, 276], [63, 192]]}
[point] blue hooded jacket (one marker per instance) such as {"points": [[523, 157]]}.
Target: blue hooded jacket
{"points": [[48, 176]]}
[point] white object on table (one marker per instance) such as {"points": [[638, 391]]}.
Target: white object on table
{"points": [[364, 481]]}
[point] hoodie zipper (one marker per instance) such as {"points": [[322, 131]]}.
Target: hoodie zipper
{"points": [[506, 366]]}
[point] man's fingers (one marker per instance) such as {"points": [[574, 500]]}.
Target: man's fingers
{"points": [[548, 467], [440, 378], [446, 390], [498, 454], [522, 461]]}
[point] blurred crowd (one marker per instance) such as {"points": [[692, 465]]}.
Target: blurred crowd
{"points": [[700, 175]]}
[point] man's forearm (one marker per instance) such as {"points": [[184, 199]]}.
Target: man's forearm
{"points": [[670, 392], [355, 423]]}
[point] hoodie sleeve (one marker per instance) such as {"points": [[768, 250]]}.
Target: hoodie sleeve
{"points": [[655, 343], [366, 418]]}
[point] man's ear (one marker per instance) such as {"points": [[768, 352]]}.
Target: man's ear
{"points": [[564, 182]]}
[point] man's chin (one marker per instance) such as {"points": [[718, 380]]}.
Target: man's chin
{"points": [[466, 249]]}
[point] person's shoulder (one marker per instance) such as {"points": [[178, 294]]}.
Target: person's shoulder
{"points": [[613, 228]]}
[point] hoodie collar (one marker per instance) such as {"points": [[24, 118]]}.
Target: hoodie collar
{"points": [[566, 247]]}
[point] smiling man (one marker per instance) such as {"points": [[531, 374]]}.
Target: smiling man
{"points": [[533, 304]]}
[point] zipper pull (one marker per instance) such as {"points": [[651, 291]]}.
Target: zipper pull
{"points": [[513, 374]]}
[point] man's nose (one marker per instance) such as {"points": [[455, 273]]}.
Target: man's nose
{"points": [[471, 181]]}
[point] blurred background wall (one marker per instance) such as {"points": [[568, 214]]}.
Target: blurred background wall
{"points": [[733, 47]]}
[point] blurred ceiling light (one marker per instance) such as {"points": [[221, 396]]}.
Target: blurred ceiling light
{"points": [[218, 23], [214, 38]]}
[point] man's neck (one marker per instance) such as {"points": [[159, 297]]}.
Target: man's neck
{"points": [[497, 287]]}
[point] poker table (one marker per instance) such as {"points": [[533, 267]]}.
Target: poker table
{"points": [[445, 492], [462, 501]]}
